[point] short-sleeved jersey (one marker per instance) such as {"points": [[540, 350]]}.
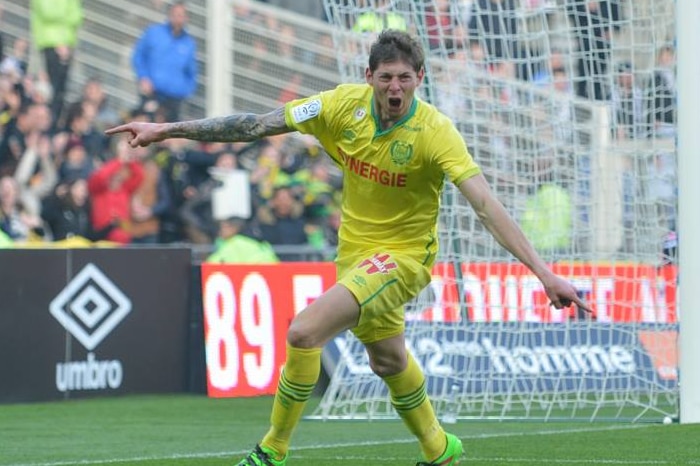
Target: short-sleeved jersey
{"points": [[392, 179]]}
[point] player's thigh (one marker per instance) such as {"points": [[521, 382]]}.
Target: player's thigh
{"points": [[382, 283], [334, 311]]}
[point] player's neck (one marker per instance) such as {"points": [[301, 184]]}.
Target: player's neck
{"points": [[387, 123]]}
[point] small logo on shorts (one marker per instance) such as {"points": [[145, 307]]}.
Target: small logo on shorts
{"points": [[358, 280], [379, 263]]}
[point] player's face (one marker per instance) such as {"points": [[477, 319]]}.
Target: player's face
{"points": [[394, 86]]}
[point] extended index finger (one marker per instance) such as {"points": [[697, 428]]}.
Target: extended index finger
{"points": [[118, 129], [582, 304]]}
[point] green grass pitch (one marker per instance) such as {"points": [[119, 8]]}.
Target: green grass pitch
{"points": [[195, 430]]}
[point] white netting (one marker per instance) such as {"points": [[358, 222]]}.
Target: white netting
{"points": [[568, 107]]}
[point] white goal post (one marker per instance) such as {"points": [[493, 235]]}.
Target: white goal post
{"points": [[577, 137], [688, 168]]}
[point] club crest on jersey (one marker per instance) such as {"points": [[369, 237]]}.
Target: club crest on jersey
{"points": [[379, 263], [360, 113], [306, 111], [401, 152], [349, 135]]}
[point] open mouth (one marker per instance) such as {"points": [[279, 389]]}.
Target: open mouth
{"points": [[394, 103]]}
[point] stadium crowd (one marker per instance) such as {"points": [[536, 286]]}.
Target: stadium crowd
{"points": [[62, 179], [76, 182]]}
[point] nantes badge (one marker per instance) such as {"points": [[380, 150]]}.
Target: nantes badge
{"points": [[401, 152]]}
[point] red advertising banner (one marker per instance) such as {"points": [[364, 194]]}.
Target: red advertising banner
{"points": [[505, 292], [248, 308], [247, 311]]}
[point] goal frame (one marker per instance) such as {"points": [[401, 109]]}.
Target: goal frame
{"points": [[599, 220], [687, 19]]}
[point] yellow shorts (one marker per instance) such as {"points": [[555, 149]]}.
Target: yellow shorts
{"points": [[382, 283]]}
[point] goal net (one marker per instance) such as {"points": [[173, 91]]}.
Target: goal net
{"points": [[568, 107]]}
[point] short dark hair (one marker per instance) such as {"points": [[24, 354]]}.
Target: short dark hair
{"points": [[177, 3], [394, 45]]}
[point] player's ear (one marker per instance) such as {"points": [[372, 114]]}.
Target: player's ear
{"points": [[421, 75], [368, 75]]}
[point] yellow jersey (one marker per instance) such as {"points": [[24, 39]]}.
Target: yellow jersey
{"points": [[392, 179]]}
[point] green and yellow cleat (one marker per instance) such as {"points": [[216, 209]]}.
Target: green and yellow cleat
{"points": [[261, 456], [452, 455]]}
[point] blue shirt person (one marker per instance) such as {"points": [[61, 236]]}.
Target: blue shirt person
{"points": [[164, 60]]}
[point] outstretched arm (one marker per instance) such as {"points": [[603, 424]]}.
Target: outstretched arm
{"points": [[240, 127], [509, 235]]}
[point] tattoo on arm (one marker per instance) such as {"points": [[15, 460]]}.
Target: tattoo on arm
{"points": [[240, 127]]}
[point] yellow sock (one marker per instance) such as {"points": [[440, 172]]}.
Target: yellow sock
{"points": [[411, 401], [295, 387]]}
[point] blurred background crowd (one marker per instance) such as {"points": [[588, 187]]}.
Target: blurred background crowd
{"points": [[62, 179]]}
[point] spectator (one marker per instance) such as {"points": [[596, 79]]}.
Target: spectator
{"points": [[267, 172], [94, 94], [236, 244], [669, 248], [67, 213], [55, 25], [544, 75], [375, 19], [15, 221], [149, 203], [331, 226], [75, 163], [661, 107], [10, 103], [495, 23], [31, 118], [548, 219], [318, 190], [593, 23], [164, 60], [281, 220], [36, 172], [440, 25], [184, 169], [661, 95], [15, 63], [628, 104], [37, 89], [197, 211], [562, 106], [450, 85], [80, 128], [111, 188]]}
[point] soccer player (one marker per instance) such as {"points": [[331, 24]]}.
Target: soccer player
{"points": [[395, 151]]}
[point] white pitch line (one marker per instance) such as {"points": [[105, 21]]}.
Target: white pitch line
{"points": [[495, 460], [570, 461], [300, 448]]}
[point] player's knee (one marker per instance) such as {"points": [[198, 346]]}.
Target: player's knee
{"points": [[387, 365], [300, 337]]}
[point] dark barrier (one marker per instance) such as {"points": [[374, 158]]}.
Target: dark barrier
{"points": [[197, 374], [85, 322]]}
